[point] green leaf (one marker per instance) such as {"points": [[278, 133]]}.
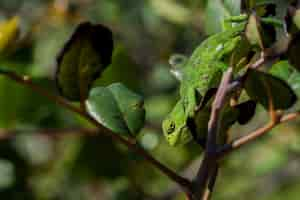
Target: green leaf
{"points": [[261, 86], [117, 108], [82, 60], [282, 70]]}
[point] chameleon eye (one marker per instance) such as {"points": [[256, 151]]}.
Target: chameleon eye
{"points": [[171, 128], [177, 59]]}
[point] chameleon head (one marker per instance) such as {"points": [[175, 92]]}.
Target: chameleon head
{"points": [[175, 128]]}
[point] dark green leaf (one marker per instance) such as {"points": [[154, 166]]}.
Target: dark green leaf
{"points": [[246, 111], [247, 5], [263, 87], [117, 108], [83, 59], [199, 124], [290, 19], [293, 52]]}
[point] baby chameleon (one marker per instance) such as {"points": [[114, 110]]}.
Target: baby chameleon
{"points": [[200, 73]]}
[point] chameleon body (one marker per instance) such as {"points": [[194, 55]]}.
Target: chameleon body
{"points": [[201, 72]]}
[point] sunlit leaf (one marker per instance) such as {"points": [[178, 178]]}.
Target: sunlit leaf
{"points": [[253, 31], [82, 60], [117, 108], [266, 88], [9, 32]]}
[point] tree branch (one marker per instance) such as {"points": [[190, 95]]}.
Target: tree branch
{"points": [[207, 173], [242, 141], [131, 143]]}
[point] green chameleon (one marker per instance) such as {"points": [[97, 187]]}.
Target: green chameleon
{"points": [[199, 74]]}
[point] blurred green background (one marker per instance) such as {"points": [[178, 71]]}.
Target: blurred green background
{"points": [[44, 151]]}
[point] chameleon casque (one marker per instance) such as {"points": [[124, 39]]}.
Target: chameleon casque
{"points": [[199, 74]]}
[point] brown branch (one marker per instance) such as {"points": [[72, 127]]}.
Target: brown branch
{"points": [[211, 183], [131, 143], [206, 176], [242, 141], [269, 55], [259, 62]]}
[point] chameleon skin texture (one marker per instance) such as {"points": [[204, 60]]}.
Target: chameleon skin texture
{"points": [[83, 58], [202, 72], [205, 67]]}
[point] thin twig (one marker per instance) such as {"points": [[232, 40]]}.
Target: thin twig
{"points": [[130, 143], [250, 137], [259, 62]]}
